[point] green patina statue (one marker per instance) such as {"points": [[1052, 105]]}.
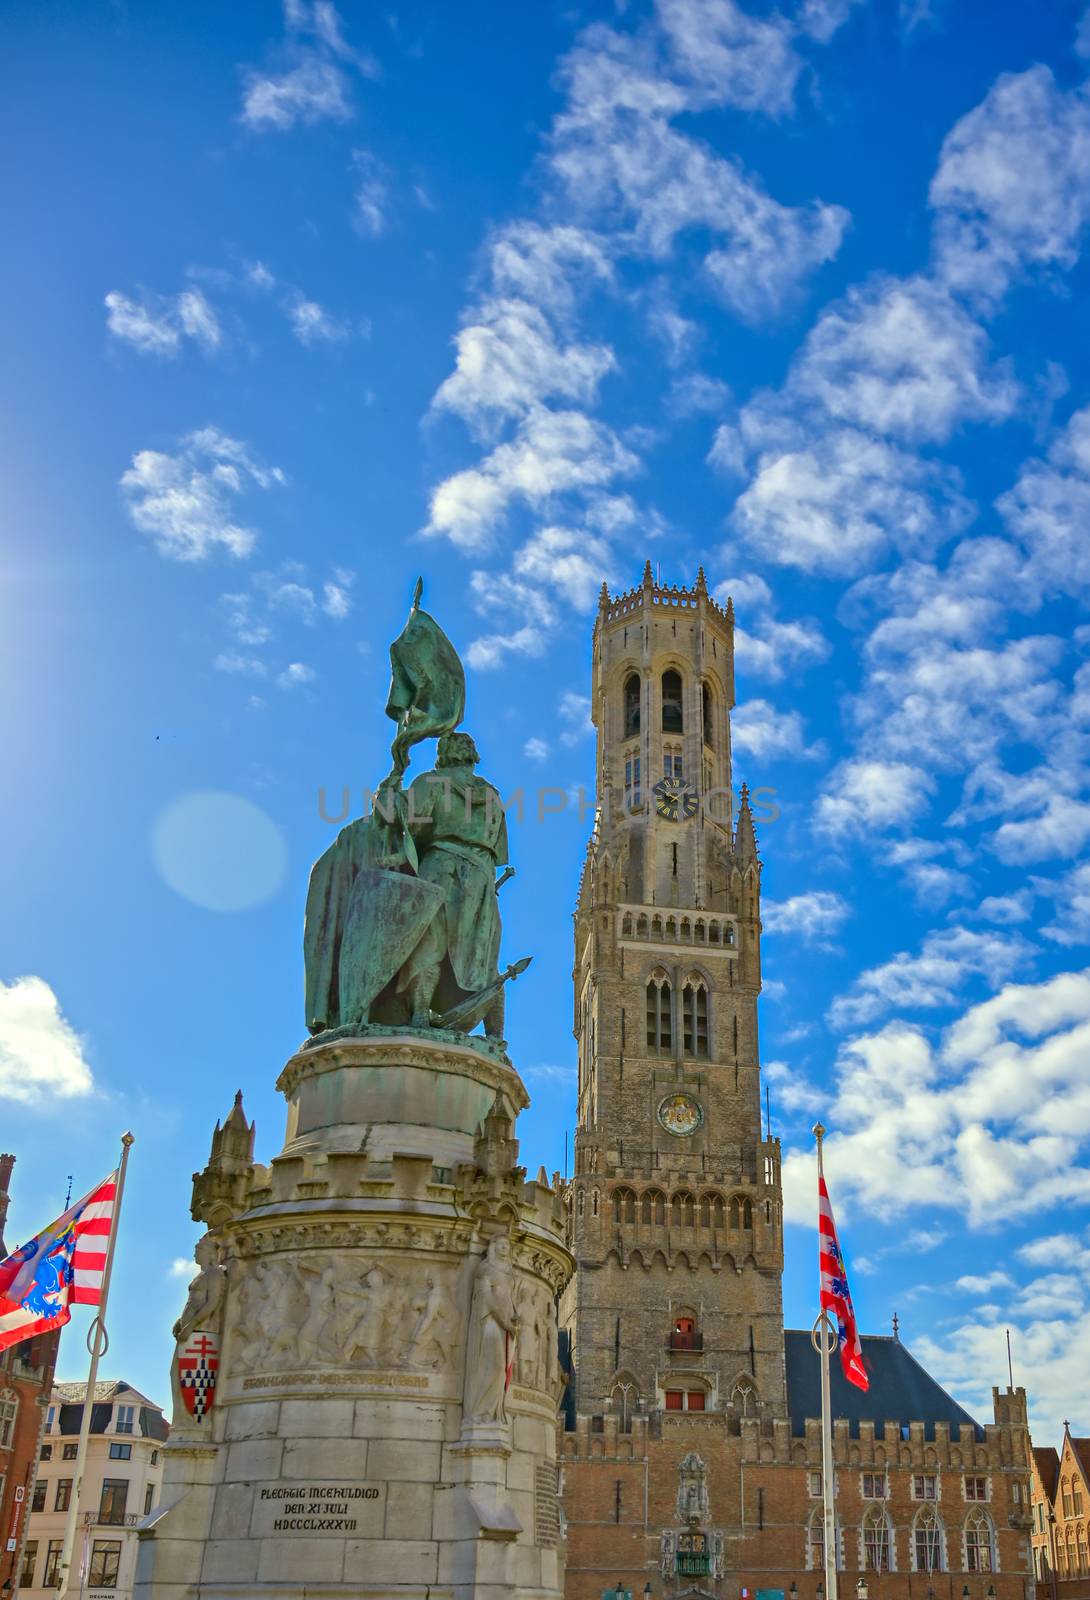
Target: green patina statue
{"points": [[402, 919]]}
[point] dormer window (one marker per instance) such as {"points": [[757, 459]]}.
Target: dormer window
{"points": [[631, 705], [673, 720]]}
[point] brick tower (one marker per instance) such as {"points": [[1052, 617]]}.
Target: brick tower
{"points": [[675, 1204]]}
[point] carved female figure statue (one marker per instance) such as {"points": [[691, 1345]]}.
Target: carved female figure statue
{"points": [[203, 1312], [204, 1307], [490, 1337]]}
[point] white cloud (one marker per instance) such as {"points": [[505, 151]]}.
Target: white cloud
{"points": [[535, 749], [769, 734], [933, 978], [372, 193], [184, 501], [574, 713], [198, 320], [1071, 895], [997, 1117], [548, 265], [1006, 909], [295, 675], [984, 1283], [867, 796], [835, 501], [773, 649], [552, 452], [315, 87], [727, 55], [312, 324], [1048, 508], [509, 360], [313, 91], [622, 162], [157, 324], [1012, 190], [813, 916], [41, 1056], [899, 356], [181, 1267]]}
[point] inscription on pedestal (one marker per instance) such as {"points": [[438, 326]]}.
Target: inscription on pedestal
{"points": [[320, 1509]]}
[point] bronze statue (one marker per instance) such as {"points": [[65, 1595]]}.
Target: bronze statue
{"points": [[402, 920]]}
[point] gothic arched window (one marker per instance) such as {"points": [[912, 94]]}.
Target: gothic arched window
{"points": [[631, 705], [979, 1542], [633, 793], [747, 1213], [673, 717], [743, 1397], [660, 1032], [877, 1555], [927, 1543], [815, 1542], [706, 707], [694, 1013]]}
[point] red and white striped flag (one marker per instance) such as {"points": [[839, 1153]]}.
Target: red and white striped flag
{"points": [[61, 1266], [835, 1294]]}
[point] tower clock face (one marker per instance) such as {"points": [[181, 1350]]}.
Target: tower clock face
{"points": [[675, 799], [680, 1114]]}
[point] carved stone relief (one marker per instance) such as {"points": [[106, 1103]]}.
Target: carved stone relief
{"points": [[322, 1310]]}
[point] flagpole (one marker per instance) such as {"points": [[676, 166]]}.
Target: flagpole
{"points": [[824, 1338], [98, 1343]]}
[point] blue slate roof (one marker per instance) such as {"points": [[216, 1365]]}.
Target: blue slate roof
{"points": [[900, 1390]]}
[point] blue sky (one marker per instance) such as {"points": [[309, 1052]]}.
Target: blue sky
{"points": [[303, 302]]}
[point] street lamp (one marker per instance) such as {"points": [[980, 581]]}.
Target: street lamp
{"points": [[794, 1590], [861, 1590], [647, 1591], [819, 1592]]}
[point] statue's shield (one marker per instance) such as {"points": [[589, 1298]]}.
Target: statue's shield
{"points": [[388, 912], [198, 1364]]}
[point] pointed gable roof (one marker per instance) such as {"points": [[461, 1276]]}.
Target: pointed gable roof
{"points": [[1047, 1462]]}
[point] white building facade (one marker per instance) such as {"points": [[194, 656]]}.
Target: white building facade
{"points": [[120, 1488]]}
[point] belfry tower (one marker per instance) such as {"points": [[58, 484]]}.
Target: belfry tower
{"points": [[675, 1203]]}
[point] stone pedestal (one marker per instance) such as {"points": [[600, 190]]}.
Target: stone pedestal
{"points": [[336, 1457]]}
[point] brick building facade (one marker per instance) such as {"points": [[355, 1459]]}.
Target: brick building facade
{"points": [[26, 1376], [1061, 1519], [690, 1451]]}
